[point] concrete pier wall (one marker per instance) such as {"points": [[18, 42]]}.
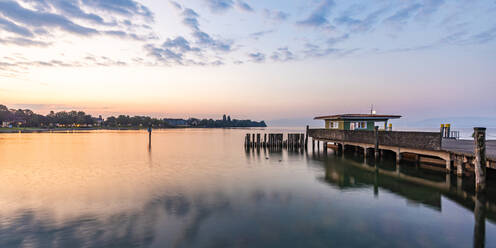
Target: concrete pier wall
{"points": [[414, 140]]}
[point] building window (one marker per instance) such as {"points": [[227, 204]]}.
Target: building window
{"points": [[358, 125], [334, 125]]}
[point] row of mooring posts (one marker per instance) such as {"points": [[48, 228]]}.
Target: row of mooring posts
{"points": [[295, 141], [276, 140], [255, 140]]}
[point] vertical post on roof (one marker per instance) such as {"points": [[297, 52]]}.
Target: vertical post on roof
{"points": [[442, 130]]}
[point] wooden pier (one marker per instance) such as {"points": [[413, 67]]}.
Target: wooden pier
{"points": [[463, 155]]}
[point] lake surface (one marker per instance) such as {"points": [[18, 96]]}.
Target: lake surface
{"points": [[201, 188]]}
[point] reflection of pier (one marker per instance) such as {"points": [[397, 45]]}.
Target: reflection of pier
{"points": [[352, 174]]}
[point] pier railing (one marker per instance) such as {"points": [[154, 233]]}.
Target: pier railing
{"points": [[413, 140]]}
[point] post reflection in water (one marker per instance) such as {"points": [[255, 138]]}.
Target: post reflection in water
{"points": [[480, 220], [200, 188]]}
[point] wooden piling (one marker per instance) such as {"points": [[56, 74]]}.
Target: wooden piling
{"points": [[306, 137], [265, 140], [459, 166], [376, 143], [302, 141], [480, 158], [448, 164], [258, 140], [149, 135]]}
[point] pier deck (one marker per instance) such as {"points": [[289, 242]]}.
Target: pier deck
{"points": [[466, 147]]}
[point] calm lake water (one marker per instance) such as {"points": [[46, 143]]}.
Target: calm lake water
{"points": [[201, 188]]}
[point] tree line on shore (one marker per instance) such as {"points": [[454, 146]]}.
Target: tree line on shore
{"points": [[27, 118]]}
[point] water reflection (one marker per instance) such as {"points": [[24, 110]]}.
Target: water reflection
{"points": [[417, 186], [204, 190], [408, 180]]}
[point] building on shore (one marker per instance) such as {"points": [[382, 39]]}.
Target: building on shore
{"points": [[176, 122]]}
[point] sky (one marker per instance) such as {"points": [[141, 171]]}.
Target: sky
{"points": [[264, 60]]}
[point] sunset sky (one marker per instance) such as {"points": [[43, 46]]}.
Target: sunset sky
{"points": [[252, 59]]}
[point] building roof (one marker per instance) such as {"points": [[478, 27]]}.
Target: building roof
{"points": [[358, 117]]}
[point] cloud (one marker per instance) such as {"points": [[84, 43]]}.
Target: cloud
{"points": [[219, 6], [122, 7], [257, 57], [334, 40], [318, 17], [178, 52], [429, 7], [14, 28], [411, 49], [123, 35], [72, 9], [21, 64], [282, 55], [483, 37], [179, 43], [361, 25], [244, 6], [401, 16], [205, 39], [33, 22], [217, 63], [454, 38], [190, 19], [176, 5], [258, 35], [14, 11], [315, 51], [19, 41], [164, 55], [275, 15]]}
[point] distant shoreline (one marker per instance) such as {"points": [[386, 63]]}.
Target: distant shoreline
{"points": [[62, 130]]}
